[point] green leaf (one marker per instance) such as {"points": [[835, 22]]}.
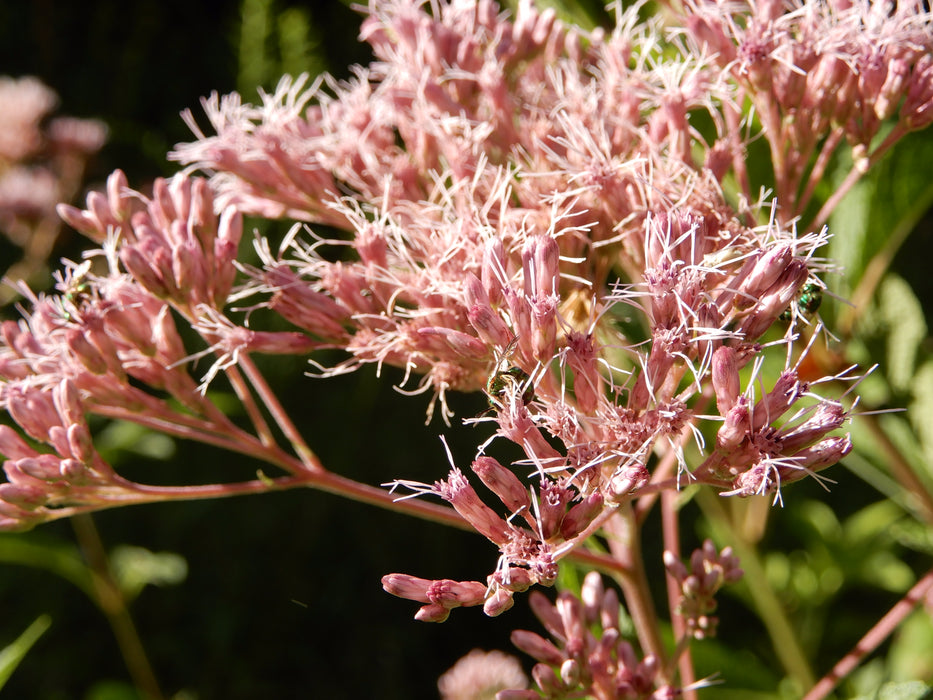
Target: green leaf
{"points": [[911, 654], [920, 414], [112, 690], [909, 690], [903, 315], [12, 654], [136, 567], [62, 560], [121, 438]]}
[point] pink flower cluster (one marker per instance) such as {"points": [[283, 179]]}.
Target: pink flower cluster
{"points": [[42, 163], [561, 218]]}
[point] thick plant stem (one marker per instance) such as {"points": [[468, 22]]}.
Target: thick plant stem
{"points": [[624, 543]]}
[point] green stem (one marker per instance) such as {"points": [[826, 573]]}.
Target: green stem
{"points": [[783, 638], [110, 600]]}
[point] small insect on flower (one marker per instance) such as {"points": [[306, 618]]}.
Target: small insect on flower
{"points": [[508, 378], [807, 302], [74, 288]]}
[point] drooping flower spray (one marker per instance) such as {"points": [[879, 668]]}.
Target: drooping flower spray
{"points": [[563, 219]]}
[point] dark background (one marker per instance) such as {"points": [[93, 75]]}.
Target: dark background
{"points": [[283, 596]]}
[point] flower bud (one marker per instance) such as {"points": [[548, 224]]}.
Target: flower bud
{"points": [[769, 266], [735, 428], [725, 378], [787, 389], [13, 446], [548, 681], [823, 454], [502, 482], [432, 613], [500, 601], [537, 647], [579, 517], [458, 492], [541, 267], [28, 497], [468, 346], [626, 480], [828, 416]]}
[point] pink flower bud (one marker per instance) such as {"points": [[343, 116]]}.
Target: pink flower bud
{"points": [[138, 266], [626, 480], [580, 516], [548, 681], [787, 390], [28, 497], [541, 266], [458, 492], [592, 593], [571, 614], [736, 426], [775, 300], [33, 410], [13, 446], [405, 586], [80, 444], [551, 507], [117, 194], [466, 345], [67, 401], [502, 482], [545, 611], [85, 352], [81, 221], [432, 613], [44, 467], [827, 417], [725, 378], [889, 97], [489, 326], [823, 454], [500, 601], [58, 439], [537, 647], [769, 267]]}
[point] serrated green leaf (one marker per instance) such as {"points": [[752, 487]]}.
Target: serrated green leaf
{"points": [[13, 654]]}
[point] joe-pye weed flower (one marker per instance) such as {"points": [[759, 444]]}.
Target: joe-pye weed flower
{"points": [[564, 219]]}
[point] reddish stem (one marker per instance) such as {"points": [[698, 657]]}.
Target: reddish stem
{"points": [[875, 636]]}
